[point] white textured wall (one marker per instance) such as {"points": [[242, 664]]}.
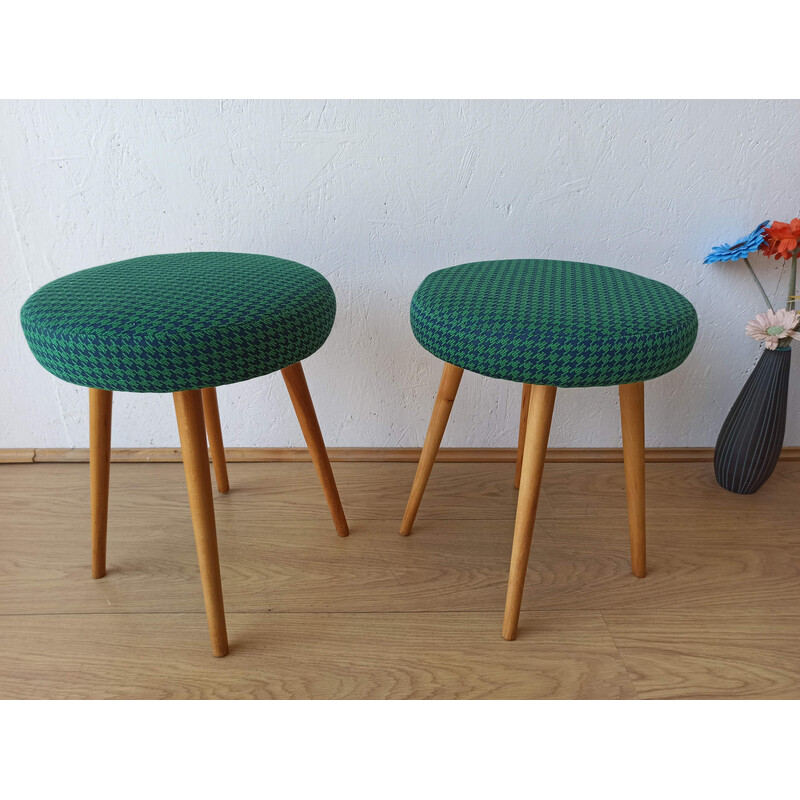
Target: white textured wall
{"points": [[375, 195]]}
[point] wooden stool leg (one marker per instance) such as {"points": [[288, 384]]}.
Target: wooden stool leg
{"points": [[296, 384], [189, 412], [523, 426], [448, 387], [538, 431], [214, 432], [100, 402], [631, 405]]}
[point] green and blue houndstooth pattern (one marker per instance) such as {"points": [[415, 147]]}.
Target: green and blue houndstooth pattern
{"points": [[555, 323], [169, 323]]}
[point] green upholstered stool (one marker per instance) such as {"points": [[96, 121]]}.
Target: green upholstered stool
{"points": [[549, 324], [184, 323]]}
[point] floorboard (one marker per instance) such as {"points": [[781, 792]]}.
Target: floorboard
{"points": [[310, 656], [751, 655], [717, 616]]}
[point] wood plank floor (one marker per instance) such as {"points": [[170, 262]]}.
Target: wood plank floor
{"points": [[377, 615]]}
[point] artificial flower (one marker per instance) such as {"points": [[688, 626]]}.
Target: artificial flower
{"points": [[740, 249], [774, 328], [781, 239]]}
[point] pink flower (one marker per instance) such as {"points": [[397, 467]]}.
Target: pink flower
{"points": [[774, 328]]}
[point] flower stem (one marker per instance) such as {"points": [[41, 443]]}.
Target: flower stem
{"points": [[791, 303], [758, 282]]}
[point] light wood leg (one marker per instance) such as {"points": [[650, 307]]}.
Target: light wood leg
{"points": [[523, 425], [536, 436], [296, 384], [631, 405], [189, 413], [451, 378], [100, 402], [214, 432]]}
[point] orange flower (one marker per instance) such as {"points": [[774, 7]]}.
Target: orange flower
{"points": [[781, 239]]}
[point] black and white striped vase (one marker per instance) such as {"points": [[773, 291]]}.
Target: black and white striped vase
{"points": [[751, 438]]}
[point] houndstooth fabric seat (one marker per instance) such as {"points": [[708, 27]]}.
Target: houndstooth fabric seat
{"points": [[554, 323], [170, 323]]}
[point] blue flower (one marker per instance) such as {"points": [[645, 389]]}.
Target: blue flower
{"points": [[740, 249]]}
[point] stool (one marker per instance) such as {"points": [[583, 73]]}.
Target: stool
{"points": [[185, 323], [549, 324]]}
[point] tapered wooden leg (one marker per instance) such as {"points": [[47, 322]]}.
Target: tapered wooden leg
{"points": [[100, 402], [536, 436], [296, 384], [189, 412], [523, 425], [214, 432], [451, 378], [631, 404]]}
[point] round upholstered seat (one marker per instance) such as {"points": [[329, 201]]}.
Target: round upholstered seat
{"points": [[554, 323], [170, 323]]}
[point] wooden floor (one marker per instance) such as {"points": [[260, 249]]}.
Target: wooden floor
{"points": [[376, 615]]}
